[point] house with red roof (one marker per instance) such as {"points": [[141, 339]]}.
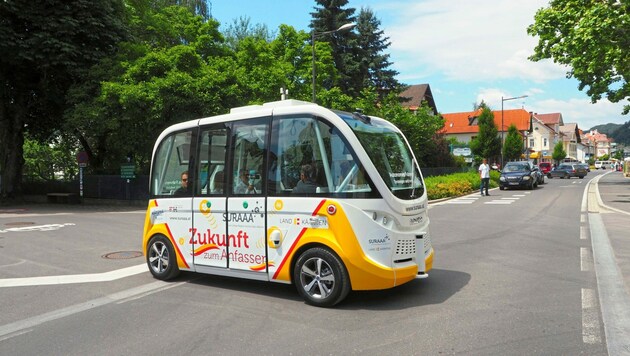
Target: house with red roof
{"points": [[543, 136], [463, 126], [600, 141]]}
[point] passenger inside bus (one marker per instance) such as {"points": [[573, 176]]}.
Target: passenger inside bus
{"points": [[245, 185], [183, 190], [306, 183], [217, 186]]}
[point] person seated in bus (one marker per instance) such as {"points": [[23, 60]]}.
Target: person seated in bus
{"points": [[217, 186], [244, 185], [183, 190], [306, 183]]}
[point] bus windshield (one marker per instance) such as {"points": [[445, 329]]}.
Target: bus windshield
{"points": [[390, 154]]}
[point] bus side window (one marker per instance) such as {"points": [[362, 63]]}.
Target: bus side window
{"points": [[248, 149], [299, 141], [212, 150], [171, 160]]}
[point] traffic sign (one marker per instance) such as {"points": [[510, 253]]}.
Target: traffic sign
{"points": [[82, 158], [127, 171]]}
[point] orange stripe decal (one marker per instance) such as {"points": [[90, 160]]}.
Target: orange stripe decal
{"points": [[177, 251], [275, 275]]}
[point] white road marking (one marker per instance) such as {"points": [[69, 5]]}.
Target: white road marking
{"points": [[500, 202], [23, 326], [49, 227], [586, 260], [30, 215], [583, 232], [73, 278], [590, 319]]}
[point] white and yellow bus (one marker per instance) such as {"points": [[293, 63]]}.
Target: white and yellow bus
{"points": [[289, 192]]}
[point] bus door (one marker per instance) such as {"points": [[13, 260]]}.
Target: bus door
{"points": [[209, 228], [171, 185], [246, 202]]}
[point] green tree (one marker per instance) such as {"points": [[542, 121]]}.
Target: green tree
{"points": [[329, 15], [619, 154], [487, 144], [242, 28], [47, 162], [593, 39], [46, 46], [558, 152], [178, 70], [374, 65], [513, 147], [421, 128]]}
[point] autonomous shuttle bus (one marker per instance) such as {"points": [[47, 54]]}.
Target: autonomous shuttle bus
{"points": [[289, 192]]}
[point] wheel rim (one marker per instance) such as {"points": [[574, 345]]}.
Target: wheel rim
{"points": [[159, 257], [317, 278]]}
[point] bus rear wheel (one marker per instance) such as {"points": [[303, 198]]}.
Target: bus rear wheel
{"points": [[321, 278], [161, 258]]}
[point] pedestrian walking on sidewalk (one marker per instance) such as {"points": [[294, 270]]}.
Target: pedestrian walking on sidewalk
{"points": [[484, 174]]}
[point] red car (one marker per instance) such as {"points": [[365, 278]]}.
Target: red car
{"points": [[545, 168]]}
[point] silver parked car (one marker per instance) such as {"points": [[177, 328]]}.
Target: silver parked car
{"points": [[568, 170]]}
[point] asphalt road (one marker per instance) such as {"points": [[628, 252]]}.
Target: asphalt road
{"points": [[513, 275]]}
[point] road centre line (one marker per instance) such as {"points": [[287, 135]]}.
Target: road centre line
{"points": [[18, 327], [74, 278]]}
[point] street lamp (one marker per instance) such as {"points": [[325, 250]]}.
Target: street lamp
{"points": [[502, 125], [319, 34]]}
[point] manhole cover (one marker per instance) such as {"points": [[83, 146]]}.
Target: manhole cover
{"points": [[122, 255], [19, 223]]}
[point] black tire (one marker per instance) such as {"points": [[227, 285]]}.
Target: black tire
{"points": [[321, 278], [531, 186], [501, 188], [161, 258]]}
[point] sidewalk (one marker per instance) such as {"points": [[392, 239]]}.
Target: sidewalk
{"points": [[614, 190], [611, 213]]}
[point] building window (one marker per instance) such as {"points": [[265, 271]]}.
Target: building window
{"points": [[545, 142], [531, 142]]}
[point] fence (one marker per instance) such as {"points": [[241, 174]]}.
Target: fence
{"points": [[95, 187], [116, 188]]}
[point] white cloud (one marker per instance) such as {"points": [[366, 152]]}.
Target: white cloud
{"points": [[468, 40], [582, 111]]}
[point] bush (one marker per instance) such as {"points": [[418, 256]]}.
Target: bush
{"points": [[458, 184]]}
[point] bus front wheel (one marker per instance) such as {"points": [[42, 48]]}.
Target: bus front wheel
{"points": [[161, 258], [321, 278]]}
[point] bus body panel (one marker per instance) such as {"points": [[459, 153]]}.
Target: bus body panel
{"points": [[209, 240], [162, 219], [375, 256], [383, 241]]}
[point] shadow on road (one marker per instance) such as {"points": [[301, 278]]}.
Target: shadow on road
{"points": [[439, 287]]}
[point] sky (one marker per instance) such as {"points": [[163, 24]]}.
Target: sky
{"points": [[467, 51]]}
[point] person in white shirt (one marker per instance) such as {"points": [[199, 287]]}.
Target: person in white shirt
{"points": [[484, 174]]}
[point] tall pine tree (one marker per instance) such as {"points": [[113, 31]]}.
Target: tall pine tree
{"points": [[329, 15], [374, 65]]}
